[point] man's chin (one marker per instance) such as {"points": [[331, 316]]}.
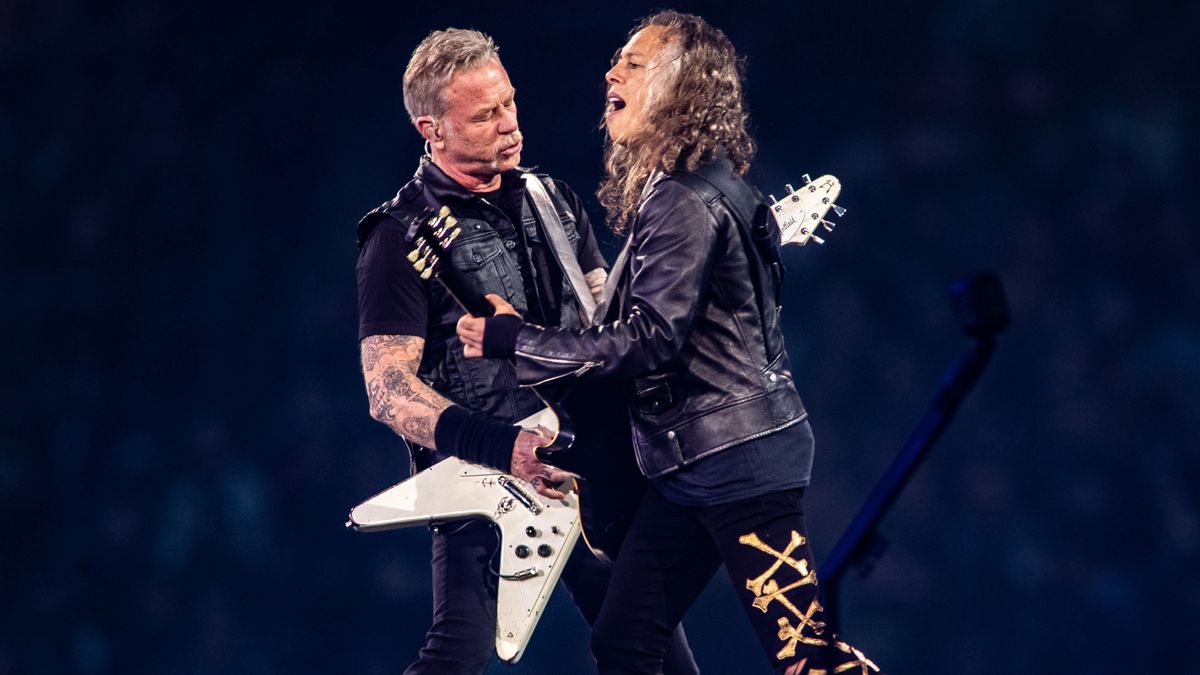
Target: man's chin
{"points": [[507, 162]]}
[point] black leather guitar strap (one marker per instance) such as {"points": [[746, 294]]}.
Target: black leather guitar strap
{"points": [[753, 217]]}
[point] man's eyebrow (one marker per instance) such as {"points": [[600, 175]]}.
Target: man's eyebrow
{"points": [[485, 108]]}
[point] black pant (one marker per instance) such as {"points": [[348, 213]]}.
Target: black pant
{"points": [[462, 638], [671, 553]]}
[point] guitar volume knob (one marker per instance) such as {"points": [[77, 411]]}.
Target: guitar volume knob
{"points": [[522, 551], [545, 550]]}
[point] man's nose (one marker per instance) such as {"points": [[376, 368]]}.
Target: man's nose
{"points": [[611, 75], [508, 122]]}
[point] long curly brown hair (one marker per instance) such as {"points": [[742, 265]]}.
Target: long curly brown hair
{"points": [[694, 113]]}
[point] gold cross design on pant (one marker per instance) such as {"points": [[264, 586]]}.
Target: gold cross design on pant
{"points": [[766, 590]]}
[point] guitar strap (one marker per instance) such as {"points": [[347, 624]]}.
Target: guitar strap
{"points": [[561, 247], [753, 217], [614, 278], [756, 224], [618, 268]]}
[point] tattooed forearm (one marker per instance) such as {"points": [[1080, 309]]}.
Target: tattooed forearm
{"points": [[418, 427], [381, 405], [397, 397], [397, 383], [595, 281]]}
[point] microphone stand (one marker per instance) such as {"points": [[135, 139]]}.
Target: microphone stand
{"points": [[982, 312]]}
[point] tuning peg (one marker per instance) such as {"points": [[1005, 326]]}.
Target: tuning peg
{"points": [[806, 179], [443, 214], [828, 225], [809, 234], [426, 266], [427, 260], [838, 210], [420, 250], [789, 187], [773, 200], [440, 232]]}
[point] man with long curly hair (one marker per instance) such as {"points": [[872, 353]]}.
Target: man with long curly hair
{"points": [[691, 315]]}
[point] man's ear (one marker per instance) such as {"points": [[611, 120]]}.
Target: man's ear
{"points": [[431, 131]]}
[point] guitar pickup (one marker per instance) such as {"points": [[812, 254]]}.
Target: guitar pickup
{"points": [[520, 494]]}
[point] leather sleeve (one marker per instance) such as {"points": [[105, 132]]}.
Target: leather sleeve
{"points": [[670, 262]]}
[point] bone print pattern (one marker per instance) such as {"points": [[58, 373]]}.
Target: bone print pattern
{"points": [[808, 629]]}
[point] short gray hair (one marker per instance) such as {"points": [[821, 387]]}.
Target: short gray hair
{"points": [[434, 62]]}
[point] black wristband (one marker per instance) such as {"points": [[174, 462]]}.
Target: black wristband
{"points": [[475, 437], [500, 336]]}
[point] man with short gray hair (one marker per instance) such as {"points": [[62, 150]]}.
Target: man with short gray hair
{"points": [[461, 101]]}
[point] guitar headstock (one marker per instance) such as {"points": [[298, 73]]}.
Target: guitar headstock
{"points": [[431, 234], [801, 212]]}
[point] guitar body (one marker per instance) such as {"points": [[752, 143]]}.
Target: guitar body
{"points": [[537, 534]]}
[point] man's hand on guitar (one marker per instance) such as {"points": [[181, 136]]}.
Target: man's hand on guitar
{"points": [[525, 464], [471, 328]]}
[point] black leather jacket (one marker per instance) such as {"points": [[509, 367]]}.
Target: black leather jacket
{"points": [[694, 323]]}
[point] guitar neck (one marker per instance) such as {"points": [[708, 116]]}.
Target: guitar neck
{"points": [[432, 237], [482, 306]]}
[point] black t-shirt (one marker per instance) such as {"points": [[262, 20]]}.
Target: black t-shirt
{"points": [[392, 298]]}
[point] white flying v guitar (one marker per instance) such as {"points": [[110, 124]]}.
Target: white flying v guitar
{"points": [[537, 534]]}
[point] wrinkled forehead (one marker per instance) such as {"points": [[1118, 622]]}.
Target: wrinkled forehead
{"points": [[484, 81], [483, 75]]}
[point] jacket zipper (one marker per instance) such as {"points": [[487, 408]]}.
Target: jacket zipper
{"points": [[584, 366]]}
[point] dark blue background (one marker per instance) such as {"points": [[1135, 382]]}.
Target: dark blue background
{"points": [[183, 425]]}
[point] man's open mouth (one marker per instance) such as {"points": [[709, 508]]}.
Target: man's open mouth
{"points": [[613, 104]]}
